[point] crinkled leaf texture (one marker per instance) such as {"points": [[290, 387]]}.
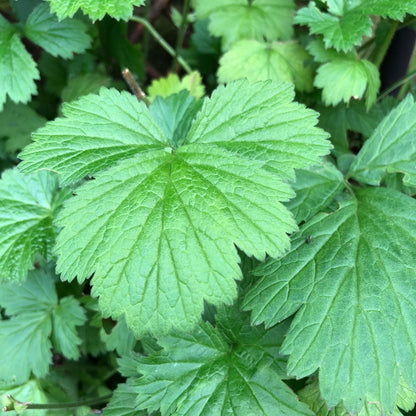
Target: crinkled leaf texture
{"points": [[35, 313], [348, 21], [227, 370], [391, 148], [355, 277], [59, 38], [158, 226], [237, 19], [18, 70], [260, 61], [28, 205], [96, 9]]}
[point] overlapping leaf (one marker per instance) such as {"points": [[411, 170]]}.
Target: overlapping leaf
{"points": [[158, 228], [353, 271], [28, 205], [391, 148], [35, 314], [234, 20], [260, 61], [346, 22], [97, 9]]}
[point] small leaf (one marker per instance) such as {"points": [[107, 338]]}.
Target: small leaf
{"points": [[242, 19], [120, 339], [59, 38], [260, 61], [391, 148], [17, 68], [123, 402]]}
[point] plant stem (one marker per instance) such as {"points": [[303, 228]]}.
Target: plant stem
{"points": [[134, 86], [410, 68], [146, 38], [162, 42], [381, 53], [181, 33], [67, 405], [397, 84]]}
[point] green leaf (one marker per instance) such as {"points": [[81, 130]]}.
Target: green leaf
{"points": [[17, 122], [355, 280], [83, 84], [17, 68], [201, 373], [57, 37], [315, 188], [34, 313], [260, 61], [346, 22], [343, 79], [97, 9], [171, 84], [322, 54], [242, 19], [28, 206], [391, 148], [120, 339], [123, 402], [175, 212]]}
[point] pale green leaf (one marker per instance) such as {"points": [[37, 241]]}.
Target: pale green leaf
{"points": [[159, 229], [355, 280], [123, 402], [120, 338], [322, 54], [17, 122], [343, 79], [201, 373], [260, 61], [392, 147], [234, 20], [346, 21], [97, 9], [18, 70], [35, 314], [28, 205], [59, 38], [171, 84], [315, 188]]}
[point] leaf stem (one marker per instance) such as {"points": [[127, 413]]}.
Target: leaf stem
{"points": [[181, 32], [381, 53], [162, 42], [397, 84], [51, 406], [146, 37], [134, 86]]}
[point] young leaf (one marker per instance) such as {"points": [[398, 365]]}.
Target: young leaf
{"points": [[59, 38], [160, 237], [243, 19], [347, 21], [355, 280], [342, 79], [391, 148], [34, 313], [97, 9], [202, 373], [260, 61], [28, 205], [17, 68]]}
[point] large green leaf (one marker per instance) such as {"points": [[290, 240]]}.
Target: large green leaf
{"points": [[28, 205], [97, 9], [217, 371], [391, 148], [35, 314], [18, 70], [242, 19], [346, 21], [158, 227], [354, 272], [59, 38], [260, 61]]}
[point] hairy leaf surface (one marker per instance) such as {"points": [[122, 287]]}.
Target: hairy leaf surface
{"points": [[240, 19], [391, 148], [356, 281], [28, 205], [158, 229], [97, 9]]}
